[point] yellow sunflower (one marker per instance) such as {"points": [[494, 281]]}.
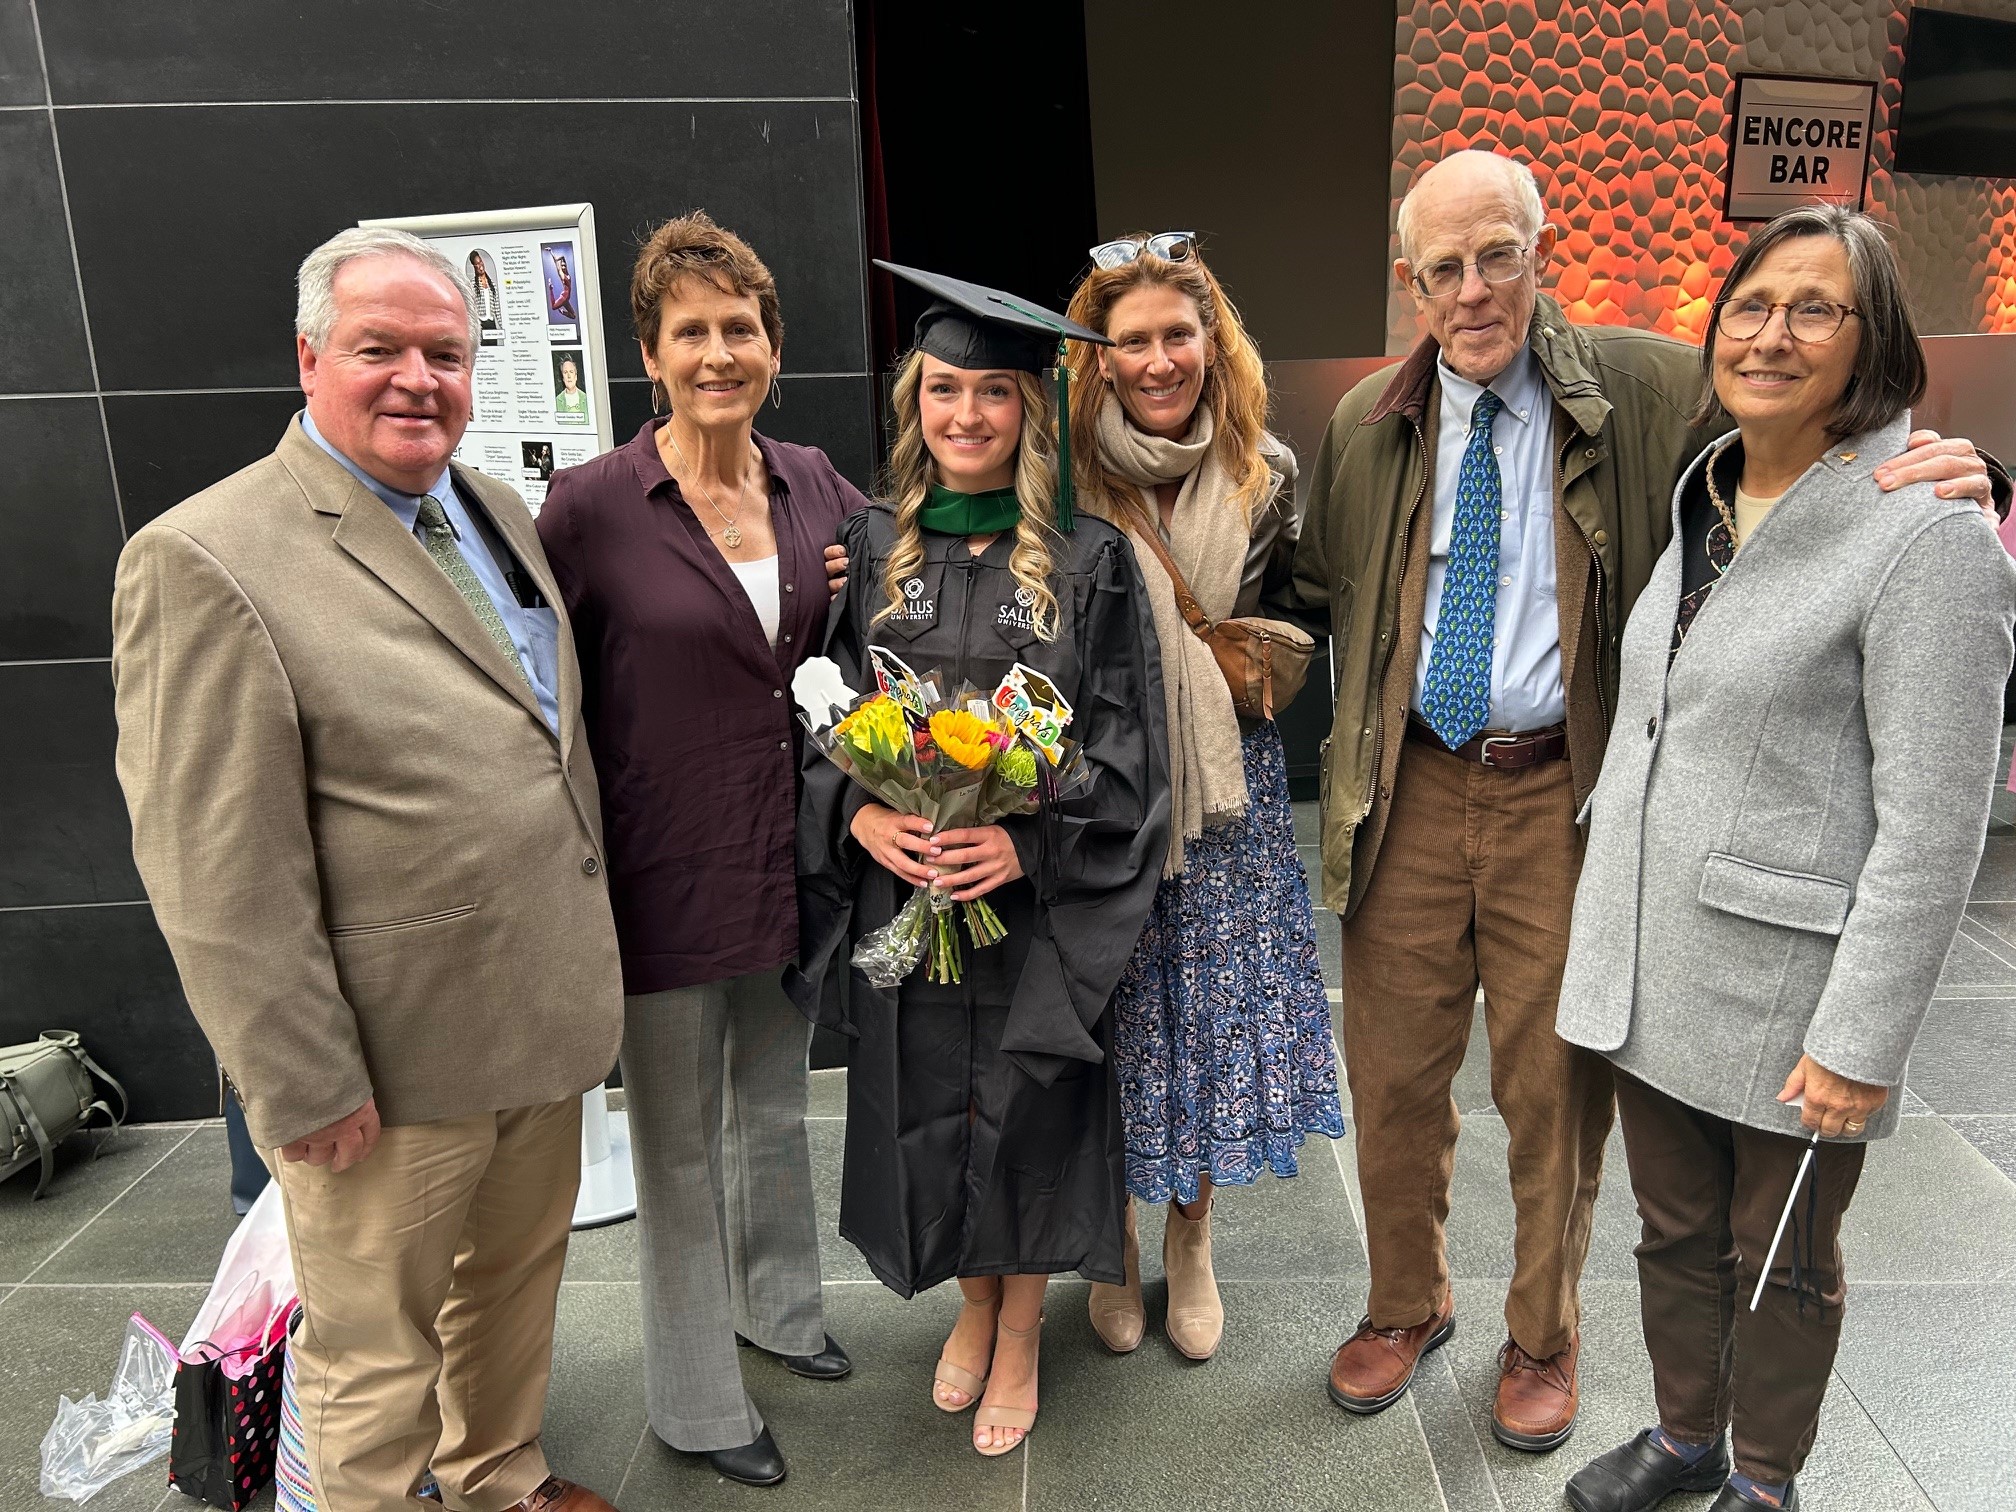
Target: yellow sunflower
{"points": [[963, 737]]}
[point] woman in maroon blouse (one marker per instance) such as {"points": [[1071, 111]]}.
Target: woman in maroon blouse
{"points": [[693, 565]]}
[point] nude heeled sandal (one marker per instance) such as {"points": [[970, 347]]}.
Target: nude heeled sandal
{"points": [[1008, 1417], [1117, 1313], [1196, 1319], [959, 1379]]}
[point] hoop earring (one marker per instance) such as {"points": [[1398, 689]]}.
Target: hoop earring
{"points": [[776, 393], [658, 405]]}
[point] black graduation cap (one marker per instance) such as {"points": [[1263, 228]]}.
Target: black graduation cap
{"points": [[978, 328]]}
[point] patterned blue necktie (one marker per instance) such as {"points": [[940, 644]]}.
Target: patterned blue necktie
{"points": [[1457, 700]]}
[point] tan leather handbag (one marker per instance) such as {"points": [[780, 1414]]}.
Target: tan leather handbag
{"points": [[1265, 661]]}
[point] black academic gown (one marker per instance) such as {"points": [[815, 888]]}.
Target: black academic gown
{"points": [[983, 1120]]}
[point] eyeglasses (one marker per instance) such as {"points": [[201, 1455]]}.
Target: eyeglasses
{"points": [[1170, 246], [1811, 321], [1500, 265]]}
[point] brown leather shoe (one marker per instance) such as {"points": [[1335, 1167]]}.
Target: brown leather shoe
{"points": [[1537, 1399], [1373, 1368], [557, 1495]]}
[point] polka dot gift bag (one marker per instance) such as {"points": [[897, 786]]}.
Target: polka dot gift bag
{"points": [[226, 1424], [227, 1375], [227, 1418]]}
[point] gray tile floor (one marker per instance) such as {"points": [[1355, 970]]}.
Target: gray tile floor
{"points": [[1922, 1413]]}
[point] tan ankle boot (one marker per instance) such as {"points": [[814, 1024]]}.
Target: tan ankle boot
{"points": [[1117, 1314], [1196, 1316]]}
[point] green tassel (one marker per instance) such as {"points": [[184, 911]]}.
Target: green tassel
{"points": [[1065, 522]]}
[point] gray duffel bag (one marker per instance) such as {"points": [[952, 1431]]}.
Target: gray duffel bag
{"points": [[46, 1094]]}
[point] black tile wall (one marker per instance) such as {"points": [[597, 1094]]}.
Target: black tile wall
{"points": [[59, 531], [248, 50], [168, 446], [191, 199], [60, 805], [20, 70], [832, 414], [210, 305], [106, 973], [630, 407], [44, 350]]}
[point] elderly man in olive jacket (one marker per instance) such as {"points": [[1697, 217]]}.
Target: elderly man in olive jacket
{"points": [[1479, 523]]}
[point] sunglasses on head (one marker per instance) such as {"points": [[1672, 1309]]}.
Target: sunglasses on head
{"points": [[1170, 246]]}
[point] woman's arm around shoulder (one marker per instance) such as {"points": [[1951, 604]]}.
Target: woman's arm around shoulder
{"points": [[810, 464]]}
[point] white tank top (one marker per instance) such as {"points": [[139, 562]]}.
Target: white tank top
{"points": [[759, 581]]}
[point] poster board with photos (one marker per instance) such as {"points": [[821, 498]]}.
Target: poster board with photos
{"points": [[540, 395]]}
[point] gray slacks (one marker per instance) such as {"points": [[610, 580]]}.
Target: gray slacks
{"points": [[728, 1241]]}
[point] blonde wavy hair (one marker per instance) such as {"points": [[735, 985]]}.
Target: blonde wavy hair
{"points": [[1235, 384], [912, 471]]}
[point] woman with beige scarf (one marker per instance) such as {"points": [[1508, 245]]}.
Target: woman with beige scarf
{"points": [[1221, 1026]]}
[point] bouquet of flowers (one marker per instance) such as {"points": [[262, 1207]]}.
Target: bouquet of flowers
{"points": [[962, 761]]}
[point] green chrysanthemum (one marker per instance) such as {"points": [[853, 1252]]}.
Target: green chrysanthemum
{"points": [[1017, 766]]}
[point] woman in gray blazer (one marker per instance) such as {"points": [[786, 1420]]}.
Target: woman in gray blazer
{"points": [[1790, 814]]}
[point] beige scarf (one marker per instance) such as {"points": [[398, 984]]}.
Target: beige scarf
{"points": [[1208, 537]]}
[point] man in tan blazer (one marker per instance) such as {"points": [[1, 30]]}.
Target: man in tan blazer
{"points": [[349, 735]]}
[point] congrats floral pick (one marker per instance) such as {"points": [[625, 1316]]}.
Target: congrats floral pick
{"points": [[960, 762]]}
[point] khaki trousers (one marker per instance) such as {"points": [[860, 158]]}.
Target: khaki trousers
{"points": [[1474, 885], [428, 1278], [1710, 1193]]}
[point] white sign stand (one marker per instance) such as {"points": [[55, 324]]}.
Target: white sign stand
{"points": [[608, 1183]]}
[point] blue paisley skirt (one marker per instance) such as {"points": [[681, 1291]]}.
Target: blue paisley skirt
{"points": [[1221, 1026]]}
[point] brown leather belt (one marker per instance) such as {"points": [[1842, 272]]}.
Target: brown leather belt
{"points": [[1498, 750]]}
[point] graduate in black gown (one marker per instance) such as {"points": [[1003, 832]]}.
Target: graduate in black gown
{"points": [[983, 1120]]}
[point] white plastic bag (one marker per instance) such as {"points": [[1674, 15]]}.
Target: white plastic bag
{"points": [[93, 1443], [252, 1294]]}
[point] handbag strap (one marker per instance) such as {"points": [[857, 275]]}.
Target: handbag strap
{"points": [[1186, 601], [71, 1041], [44, 1146]]}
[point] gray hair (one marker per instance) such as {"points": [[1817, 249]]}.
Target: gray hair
{"points": [[315, 284], [1519, 180], [1889, 375]]}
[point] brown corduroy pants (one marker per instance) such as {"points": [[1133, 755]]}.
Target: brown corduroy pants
{"points": [[1710, 1193], [1474, 885]]}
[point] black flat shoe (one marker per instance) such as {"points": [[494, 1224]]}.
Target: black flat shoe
{"points": [[1637, 1476], [758, 1463], [830, 1364], [1733, 1501]]}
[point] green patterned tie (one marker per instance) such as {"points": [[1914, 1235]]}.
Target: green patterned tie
{"points": [[439, 538]]}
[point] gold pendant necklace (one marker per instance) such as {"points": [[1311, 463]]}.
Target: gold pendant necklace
{"points": [[731, 535]]}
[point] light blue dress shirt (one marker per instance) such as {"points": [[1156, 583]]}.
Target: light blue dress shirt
{"points": [[534, 632], [1526, 692]]}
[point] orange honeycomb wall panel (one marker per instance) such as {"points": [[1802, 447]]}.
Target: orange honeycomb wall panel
{"points": [[1619, 108]]}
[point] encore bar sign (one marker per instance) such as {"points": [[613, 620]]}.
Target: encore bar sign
{"points": [[1797, 141]]}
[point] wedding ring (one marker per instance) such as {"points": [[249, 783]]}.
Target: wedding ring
{"points": [[1854, 1128]]}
